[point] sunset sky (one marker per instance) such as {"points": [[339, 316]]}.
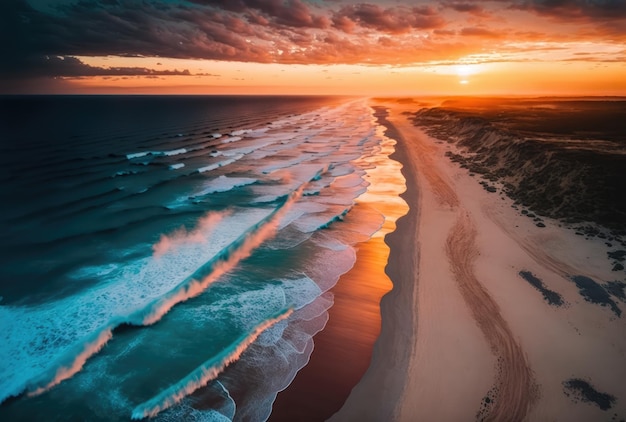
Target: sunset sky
{"points": [[392, 47]]}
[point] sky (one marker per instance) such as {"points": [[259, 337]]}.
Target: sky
{"points": [[386, 47]]}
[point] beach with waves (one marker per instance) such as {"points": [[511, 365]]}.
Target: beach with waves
{"points": [[173, 257], [312, 258]]}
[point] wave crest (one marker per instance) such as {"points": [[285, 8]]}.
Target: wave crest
{"points": [[206, 372]]}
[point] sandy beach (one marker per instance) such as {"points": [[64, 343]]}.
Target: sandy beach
{"points": [[464, 335]]}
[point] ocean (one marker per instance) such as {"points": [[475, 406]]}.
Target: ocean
{"points": [[173, 257]]}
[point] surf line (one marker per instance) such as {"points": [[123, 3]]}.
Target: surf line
{"points": [[225, 261]]}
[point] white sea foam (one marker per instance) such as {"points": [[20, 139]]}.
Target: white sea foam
{"points": [[257, 132], [244, 150], [308, 316], [224, 184], [156, 153], [67, 370], [124, 173], [138, 154], [63, 334], [220, 164], [174, 152], [181, 237], [300, 292], [348, 181], [293, 341], [300, 209], [177, 166], [313, 222], [231, 139]]}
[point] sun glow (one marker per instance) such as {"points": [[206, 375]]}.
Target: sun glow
{"points": [[465, 70], [433, 78]]}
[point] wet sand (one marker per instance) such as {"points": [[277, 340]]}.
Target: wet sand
{"points": [[343, 349]]}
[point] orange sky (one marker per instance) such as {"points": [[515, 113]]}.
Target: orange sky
{"points": [[499, 47]]}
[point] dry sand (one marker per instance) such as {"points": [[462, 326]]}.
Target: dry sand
{"points": [[464, 337]]}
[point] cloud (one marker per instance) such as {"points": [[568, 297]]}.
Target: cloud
{"points": [[293, 13], [472, 8], [576, 9], [480, 32], [68, 66], [99, 28], [596, 19], [603, 19], [391, 20], [47, 42], [444, 32], [262, 31]]}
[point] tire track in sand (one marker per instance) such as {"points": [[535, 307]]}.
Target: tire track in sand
{"points": [[515, 390]]}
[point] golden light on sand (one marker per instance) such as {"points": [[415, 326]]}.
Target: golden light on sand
{"points": [[463, 81]]}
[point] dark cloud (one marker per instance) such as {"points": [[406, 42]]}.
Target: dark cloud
{"points": [[44, 44], [293, 13], [604, 19], [67, 66], [135, 28], [472, 8], [263, 31], [599, 19], [576, 9], [480, 32], [48, 41], [391, 20]]}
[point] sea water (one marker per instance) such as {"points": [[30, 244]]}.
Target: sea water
{"points": [[172, 257]]}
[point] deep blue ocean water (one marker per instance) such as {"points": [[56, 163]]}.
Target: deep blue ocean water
{"points": [[148, 242]]}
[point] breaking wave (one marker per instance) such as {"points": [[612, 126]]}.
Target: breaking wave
{"points": [[205, 373], [263, 222]]}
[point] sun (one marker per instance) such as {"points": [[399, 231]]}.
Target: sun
{"points": [[466, 69], [463, 71]]}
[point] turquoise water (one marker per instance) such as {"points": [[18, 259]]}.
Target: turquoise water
{"points": [[150, 242]]}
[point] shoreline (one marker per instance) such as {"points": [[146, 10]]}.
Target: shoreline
{"points": [[491, 317], [377, 395], [344, 348], [477, 339]]}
